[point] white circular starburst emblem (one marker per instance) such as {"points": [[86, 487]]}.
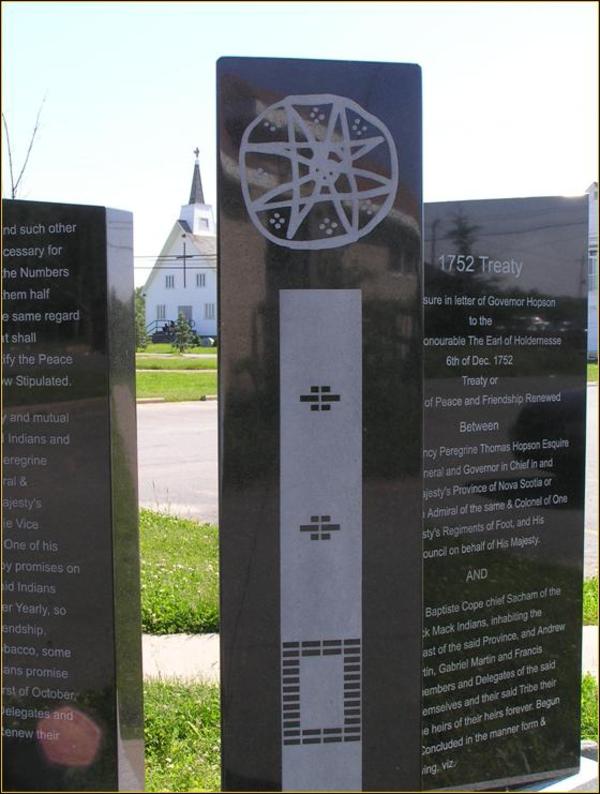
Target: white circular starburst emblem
{"points": [[317, 171]]}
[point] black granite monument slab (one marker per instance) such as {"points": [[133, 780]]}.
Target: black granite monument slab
{"points": [[71, 650], [504, 473], [320, 424]]}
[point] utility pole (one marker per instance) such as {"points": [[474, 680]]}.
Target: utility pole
{"points": [[184, 258]]}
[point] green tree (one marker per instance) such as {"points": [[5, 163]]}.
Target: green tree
{"points": [[141, 337], [184, 336]]}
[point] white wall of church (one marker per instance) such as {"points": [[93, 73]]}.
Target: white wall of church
{"points": [[167, 294]]}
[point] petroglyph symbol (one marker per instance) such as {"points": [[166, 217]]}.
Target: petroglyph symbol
{"points": [[320, 527], [320, 398], [317, 171]]}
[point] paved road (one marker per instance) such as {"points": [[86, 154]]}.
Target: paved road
{"points": [[177, 451], [177, 458]]}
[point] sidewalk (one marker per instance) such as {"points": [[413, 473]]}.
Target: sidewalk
{"points": [[184, 656], [196, 656]]}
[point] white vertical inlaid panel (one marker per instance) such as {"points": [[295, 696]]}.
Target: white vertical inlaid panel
{"points": [[321, 538]]}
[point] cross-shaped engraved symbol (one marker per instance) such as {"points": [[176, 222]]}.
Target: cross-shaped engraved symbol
{"points": [[320, 527], [320, 397]]}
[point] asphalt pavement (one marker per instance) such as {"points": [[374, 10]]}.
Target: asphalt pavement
{"points": [[177, 458]]}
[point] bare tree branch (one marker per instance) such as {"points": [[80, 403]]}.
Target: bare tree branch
{"points": [[14, 184], [10, 163], [33, 134]]}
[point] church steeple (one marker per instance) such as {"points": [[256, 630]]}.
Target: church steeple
{"points": [[196, 193], [196, 216]]}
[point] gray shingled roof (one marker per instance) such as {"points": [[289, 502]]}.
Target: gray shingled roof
{"points": [[205, 243]]}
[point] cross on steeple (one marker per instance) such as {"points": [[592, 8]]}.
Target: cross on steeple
{"points": [[197, 152]]}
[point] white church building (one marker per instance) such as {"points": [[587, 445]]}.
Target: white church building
{"points": [[184, 277]]}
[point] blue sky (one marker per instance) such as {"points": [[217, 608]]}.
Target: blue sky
{"points": [[510, 93]]}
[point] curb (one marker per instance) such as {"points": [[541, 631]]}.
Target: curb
{"points": [[149, 400]]}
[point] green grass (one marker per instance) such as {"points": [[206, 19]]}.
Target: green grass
{"points": [[176, 386], [180, 570], [590, 601], [589, 708], [175, 362], [166, 347], [180, 575], [182, 733], [592, 372], [182, 736]]}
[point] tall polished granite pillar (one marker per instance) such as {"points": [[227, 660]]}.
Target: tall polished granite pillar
{"points": [[71, 642], [504, 477], [320, 424]]}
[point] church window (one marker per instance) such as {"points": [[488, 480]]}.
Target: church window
{"points": [[169, 282], [200, 279], [209, 311]]}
